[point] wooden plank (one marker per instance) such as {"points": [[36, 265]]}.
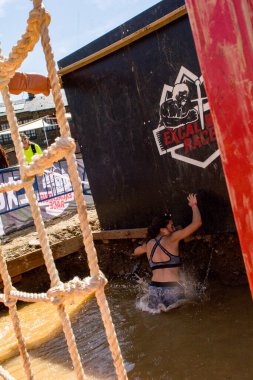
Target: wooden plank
{"points": [[223, 32], [136, 233], [35, 258], [172, 16]]}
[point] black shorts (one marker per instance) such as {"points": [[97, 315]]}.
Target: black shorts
{"points": [[164, 294]]}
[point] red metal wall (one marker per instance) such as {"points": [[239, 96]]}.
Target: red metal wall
{"points": [[223, 35]]}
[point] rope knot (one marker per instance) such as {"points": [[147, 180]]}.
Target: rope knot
{"points": [[8, 300], [38, 16], [76, 287], [65, 143], [59, 149]]}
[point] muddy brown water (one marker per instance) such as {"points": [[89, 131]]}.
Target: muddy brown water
{"points": [[210, 339]]}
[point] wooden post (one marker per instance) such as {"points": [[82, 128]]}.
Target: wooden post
{"points": [[223, 34]]}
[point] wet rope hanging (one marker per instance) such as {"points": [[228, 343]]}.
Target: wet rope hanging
{"points": [[64, 146]]}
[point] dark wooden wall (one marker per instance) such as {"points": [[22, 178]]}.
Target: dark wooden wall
{"points": [[115, 104]]}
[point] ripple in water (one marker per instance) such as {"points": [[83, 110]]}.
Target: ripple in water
{"points": [[210, 339]]}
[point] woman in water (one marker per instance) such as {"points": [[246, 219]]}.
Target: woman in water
{"points": [[162, 249]]}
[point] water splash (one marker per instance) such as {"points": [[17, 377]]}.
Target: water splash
{"points": [[145, 339], [201, 287], [195, 291], [142, 301]]}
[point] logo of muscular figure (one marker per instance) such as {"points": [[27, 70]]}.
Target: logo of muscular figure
{"points": [[178, 111]]}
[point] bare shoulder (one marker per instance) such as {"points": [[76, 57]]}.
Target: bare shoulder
{"points": [[182, 234], [150, 242], [175, 236]]}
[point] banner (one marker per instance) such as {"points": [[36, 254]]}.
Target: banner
{"points": [[53, 191]]}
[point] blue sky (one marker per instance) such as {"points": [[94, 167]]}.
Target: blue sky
{"points": [[74, 23]]}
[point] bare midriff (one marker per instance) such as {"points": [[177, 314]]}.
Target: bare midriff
{"points": [[166, 275]]}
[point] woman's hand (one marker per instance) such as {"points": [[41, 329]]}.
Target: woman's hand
{"points": [[192, 200]]}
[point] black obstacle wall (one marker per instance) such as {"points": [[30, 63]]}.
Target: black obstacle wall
{"points": [[144, 126]]}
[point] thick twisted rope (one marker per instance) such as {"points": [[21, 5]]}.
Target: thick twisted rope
{"points": [[39, 19], [15, 185], [7, 71], [58, 150], [60, 293], [14, 316], [26, 44], [77, 287], [81, 205], [44, 242]]}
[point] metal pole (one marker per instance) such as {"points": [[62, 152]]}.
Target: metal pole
{"points": [[44, 128]]}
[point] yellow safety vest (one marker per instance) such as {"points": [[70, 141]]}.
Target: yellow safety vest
{"points": [[29, 152]]}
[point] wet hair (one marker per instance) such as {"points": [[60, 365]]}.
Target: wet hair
{"points": [[157, 223]]}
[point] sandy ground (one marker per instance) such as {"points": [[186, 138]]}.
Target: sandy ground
{"points": [[24, 241]]}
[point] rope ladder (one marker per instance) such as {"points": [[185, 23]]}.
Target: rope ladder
{"points": [[64, 147]]}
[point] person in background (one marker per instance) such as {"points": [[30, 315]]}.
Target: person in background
{"points": [[162, 249], [4, 163], [30, 148]]}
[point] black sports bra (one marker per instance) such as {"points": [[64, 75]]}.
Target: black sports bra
{"points": [[174, 261]]}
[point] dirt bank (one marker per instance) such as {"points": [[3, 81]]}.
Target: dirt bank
{"points": [[58, 229]]}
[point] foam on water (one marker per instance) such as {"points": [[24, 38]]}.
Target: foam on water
{"points": [[193, 293]]}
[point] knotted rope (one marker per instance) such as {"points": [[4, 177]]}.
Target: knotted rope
{"points": [[37, 25], [58, 294], [15, 185], [24, 46]]}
